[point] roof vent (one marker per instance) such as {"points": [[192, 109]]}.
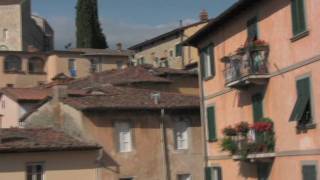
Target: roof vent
{"points": [[156, 97]]}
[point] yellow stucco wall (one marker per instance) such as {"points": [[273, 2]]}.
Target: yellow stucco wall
{"points": [[57, 165], [162, 49]]}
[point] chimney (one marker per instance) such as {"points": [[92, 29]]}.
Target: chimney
{"points": [[119, 46], [204, 16], [156, 97], [59, 92]]}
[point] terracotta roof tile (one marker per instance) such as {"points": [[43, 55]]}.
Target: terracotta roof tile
{"points": [[40, 140], [131, 98], [26, 94]]}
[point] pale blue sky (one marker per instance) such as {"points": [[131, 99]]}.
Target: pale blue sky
{"points": [[127, 21]]}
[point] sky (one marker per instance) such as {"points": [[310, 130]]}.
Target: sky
{"points": [[126, 21]]}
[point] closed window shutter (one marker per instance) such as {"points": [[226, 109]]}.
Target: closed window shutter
{"points": [[211, 124], [303, 93], [178, 50], [298, 16], [309, 172], [257, 104], [252, 28], [202, 64], [208, 173], [212, 63]]}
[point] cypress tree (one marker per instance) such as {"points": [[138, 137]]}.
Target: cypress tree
{"points": [[89, 31]]}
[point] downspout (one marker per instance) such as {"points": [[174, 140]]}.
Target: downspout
{"points": [[202, 114], [166, 161]]}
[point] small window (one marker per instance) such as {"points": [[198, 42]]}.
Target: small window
{"points": [[10, 85], [211, 123], [257, 107], [252, 28], [171, 53], [178, 50], [181, 135], [298, 17], [3, 104], [5, 34], [119, 64], [94, 65], [36, 65], [213, 173], [141, 61], [124, 136], [12, 64], [207, 62], [184, 177], [130, 178], [72, 68], [164, 63], [302, 112], [309, 172], [35, 171]]}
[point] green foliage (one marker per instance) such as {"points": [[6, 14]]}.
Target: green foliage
{"points": [[228, 144], [89, 31]]}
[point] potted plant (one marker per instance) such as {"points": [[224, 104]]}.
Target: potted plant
{"points": [[243, 128], [229, 131]]}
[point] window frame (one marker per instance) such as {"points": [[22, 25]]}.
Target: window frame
{"points": [[253, 98], [72, 67], [7, 60], [207, 56], [211, 136], [312, 123], [42, 164], [187, 123], [39, 59], [254, 21], [178, 50], [209, 172], [118, 140], [310, 163], [296, 32], [184, 174]]}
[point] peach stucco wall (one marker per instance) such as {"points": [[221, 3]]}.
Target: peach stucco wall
{"points": [[57, 165], [233, 106]]}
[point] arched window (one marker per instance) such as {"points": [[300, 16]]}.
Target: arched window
{"points": [[36, 65], [12, 64]]}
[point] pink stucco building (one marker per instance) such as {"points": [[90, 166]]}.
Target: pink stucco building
{"points": [[260, 65]]}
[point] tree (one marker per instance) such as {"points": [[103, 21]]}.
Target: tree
{"points": [[89, 32]]}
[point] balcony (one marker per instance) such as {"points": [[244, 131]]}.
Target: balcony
{"points": [[248, 66], [253, 143]]}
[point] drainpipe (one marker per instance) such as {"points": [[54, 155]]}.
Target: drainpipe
{"points": [[182, 47], [202, 115], [166, 160]]}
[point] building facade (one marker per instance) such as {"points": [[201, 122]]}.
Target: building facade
{"points": [[259, 66], [20, 31], [165, 50]]}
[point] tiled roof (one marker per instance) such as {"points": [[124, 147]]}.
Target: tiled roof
{"points": [[26, 94], [119, 77], [107, 52], [131, 98], [170, 71], [40, 140]]}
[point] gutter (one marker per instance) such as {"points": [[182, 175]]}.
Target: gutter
{"points": [[166, 159]]}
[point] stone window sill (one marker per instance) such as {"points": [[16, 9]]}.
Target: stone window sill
{"points": [[14, 72], [300, 36]]}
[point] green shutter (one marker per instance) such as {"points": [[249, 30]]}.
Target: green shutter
{"points": [[178, 50], [202, 64], [298, 16], [257, 104], [303, 93], [309, 172], [252, 28], [212, 63], [218, 170], [211, 124], [208, 173]]}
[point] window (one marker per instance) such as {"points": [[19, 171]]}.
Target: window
{"points": [[178, 50], [141, 61], [252, 28], [36, 65], [3, 104], [5, 34], [35, 171], [171, 53], [124, 136], [309, 172], [12, 64], [207, 62], [213, 173], [181, 135], [184, 177], [298, 17], [257, 105], [212, 136], [302, 112], [164, 63], [119, 64], [72, 68], [126, 178]]}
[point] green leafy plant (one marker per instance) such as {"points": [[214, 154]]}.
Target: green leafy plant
{"points": [[229, 131], [228, 144]]}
